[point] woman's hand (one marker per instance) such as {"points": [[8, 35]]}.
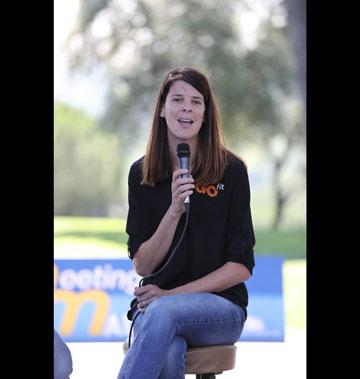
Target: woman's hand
{"points": [[180, 188], [147, 294]]}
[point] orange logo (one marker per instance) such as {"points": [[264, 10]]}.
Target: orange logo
{"points": [[210, 190]]}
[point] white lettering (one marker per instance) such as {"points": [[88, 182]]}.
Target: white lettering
{"points": [[84, 279], [116, 326], [102, 278], [113, 326], [67, 279]]}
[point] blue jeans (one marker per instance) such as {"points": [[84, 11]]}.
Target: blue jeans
{"points": [[172, 323], [62, 358]]}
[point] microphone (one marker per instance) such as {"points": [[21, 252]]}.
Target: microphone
{"points": [[183, 151]]}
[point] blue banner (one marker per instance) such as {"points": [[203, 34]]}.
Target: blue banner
{"points": [[92, 297], [265, 320]]}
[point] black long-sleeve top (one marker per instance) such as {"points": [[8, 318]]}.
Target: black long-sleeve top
{"points": [[220, 227]]}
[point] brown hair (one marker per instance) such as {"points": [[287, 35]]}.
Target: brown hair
{"points": [[211, 158]]}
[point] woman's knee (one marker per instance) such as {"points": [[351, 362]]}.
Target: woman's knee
{"points": [[164, 308], [170, 305]]}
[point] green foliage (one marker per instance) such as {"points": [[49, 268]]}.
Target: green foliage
{"points": [[86, 165], [149, 38], [89, 9]]}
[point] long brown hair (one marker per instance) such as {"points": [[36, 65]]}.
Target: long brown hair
{"points": [[211, 158]]}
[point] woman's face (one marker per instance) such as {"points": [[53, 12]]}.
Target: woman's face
{"points": [[184, 112]]}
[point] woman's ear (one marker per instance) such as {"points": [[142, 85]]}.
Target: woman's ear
{"points": [[162, 111]]}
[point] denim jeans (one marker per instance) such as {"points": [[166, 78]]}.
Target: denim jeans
{"points": [[172, 323], [62, 358]]}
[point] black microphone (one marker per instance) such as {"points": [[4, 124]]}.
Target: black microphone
{"points": [[183, 151]]}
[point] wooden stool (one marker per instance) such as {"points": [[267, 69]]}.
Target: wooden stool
{"points": [[207, 361]]}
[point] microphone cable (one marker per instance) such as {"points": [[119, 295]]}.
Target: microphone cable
{"points": [[187, 211]]}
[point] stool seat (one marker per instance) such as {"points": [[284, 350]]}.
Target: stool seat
{"points": [[210, 359], [207, 359]]}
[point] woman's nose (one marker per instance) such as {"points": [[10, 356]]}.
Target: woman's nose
{"points": [[187, 107]]}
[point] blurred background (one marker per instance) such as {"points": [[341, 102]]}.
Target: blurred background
{"points": [[109, 60]]}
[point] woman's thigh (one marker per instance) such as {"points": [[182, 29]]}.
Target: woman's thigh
{"points": [[201, 318]]}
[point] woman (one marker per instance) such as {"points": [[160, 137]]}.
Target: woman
{"points": [[199, 298], [62, 358]]}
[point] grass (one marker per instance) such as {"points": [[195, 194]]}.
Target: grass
{"points": [[102, 232], [109, 233], [289, 243]]}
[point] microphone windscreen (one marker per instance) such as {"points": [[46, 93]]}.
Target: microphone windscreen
{"points": [[183, 150]]}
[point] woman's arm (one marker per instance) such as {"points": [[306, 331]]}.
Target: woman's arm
{"points": [[151, 252], [226, 276]]}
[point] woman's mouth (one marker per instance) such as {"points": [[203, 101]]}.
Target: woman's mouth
{"points": [[185, 121]]}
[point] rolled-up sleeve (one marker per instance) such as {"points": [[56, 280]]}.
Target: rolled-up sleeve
{"points": [[240, 239]]}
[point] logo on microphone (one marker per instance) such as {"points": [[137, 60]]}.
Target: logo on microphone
{"points": [[210, 190]]}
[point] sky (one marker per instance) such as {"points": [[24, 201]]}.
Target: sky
{"points": [[82, 91]]}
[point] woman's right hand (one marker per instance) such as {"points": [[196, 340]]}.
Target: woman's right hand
{"points": [[180, 188]]}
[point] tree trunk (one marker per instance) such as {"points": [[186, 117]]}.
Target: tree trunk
{"points": [[279, 208], [297, 32], [279, 199]]}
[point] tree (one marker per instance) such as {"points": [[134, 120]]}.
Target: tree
{"points": [[297, 32], [138, 41], [86, 168]]}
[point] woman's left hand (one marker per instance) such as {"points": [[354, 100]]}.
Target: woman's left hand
{"points": [[147, 294]]}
